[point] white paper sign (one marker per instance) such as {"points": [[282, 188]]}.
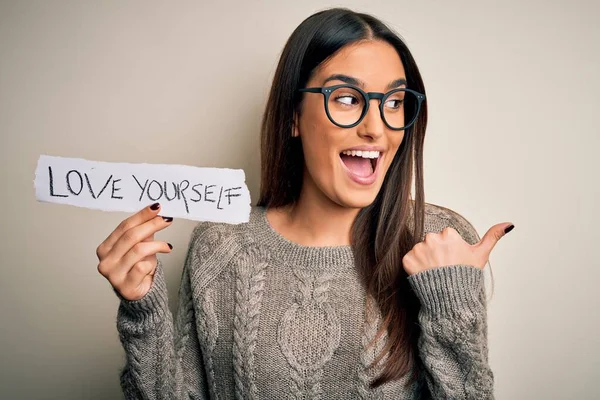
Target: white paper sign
{"points": [[201, 194]]}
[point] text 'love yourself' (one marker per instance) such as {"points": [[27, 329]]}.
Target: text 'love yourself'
{"points": [[78, 183]]}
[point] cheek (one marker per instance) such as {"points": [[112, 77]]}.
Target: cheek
{"points": [[318, 148], [319, 136], [396, 140]]}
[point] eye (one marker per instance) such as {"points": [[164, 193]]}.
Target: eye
{"points": [[347, 99], [394, 103]]}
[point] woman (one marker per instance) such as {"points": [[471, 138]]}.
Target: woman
{"points": [[340, 286]]}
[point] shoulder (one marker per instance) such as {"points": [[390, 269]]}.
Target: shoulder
{"points": [[439, 217], [210, 238]]}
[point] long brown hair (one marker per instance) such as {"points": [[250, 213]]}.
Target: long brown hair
{"points": [[382, 234]]}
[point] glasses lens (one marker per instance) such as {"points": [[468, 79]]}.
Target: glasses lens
{"points": [[346, 105], [400, 109]]}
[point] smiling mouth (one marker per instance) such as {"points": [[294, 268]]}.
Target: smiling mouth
{"points": [[360, 163]]}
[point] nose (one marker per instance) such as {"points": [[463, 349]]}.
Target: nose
{"points": [[372, 126]]}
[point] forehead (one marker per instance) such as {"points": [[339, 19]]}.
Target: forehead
{"points": [[374, 62]]}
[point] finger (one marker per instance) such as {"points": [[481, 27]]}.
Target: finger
{"points": [[137, 291], [137, 234], [145, 214], [142, 252], [139, 272], [491, 237], [448, 230], [431, 237], [151, 257], [149, 238]]}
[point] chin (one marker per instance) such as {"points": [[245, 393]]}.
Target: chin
{"points": [[356, 199]]}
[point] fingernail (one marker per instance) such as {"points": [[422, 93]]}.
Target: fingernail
{"points": [[508, 229], [168, 219], [155, 206], [170, 246]]}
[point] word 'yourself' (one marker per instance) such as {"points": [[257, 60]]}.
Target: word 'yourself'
{"points": [[150, 189]]}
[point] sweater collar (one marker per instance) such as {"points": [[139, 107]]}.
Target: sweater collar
{"points": [[310, 257]]}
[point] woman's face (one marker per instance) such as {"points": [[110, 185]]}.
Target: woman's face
{"points": [[331, 170]]}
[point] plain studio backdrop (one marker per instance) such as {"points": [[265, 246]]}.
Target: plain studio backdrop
{"points": [[513, 93]]}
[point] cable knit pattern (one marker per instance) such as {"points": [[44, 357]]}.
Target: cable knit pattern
{"points": [[261, 317], [183, 331], [309, 333], [371, 348], [209, 327], [250, 282]]}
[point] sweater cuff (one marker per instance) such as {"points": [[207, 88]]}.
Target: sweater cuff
{"points": [[150, 309], [450, 290]]}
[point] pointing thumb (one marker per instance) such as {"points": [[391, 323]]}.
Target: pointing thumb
{"points": [[492, 236]]}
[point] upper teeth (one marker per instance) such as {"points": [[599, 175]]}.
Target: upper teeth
{"points": [[361, 153]]}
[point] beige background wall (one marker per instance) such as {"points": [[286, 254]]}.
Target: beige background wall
{"points": [[513, 90]]}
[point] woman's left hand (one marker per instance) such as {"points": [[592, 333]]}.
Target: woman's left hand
{"points": [[449, 248]]}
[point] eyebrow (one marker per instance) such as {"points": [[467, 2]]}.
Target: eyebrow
{"points": [[357, 82]]}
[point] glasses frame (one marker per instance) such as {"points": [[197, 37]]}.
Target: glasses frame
{"points": [[368, 96]]}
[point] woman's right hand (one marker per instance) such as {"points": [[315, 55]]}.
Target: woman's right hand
{"points": [[128, 255]]}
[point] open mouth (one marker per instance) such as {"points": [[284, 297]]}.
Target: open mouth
{"points": [[360, 163]]}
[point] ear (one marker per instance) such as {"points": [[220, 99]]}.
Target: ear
{"points": [[295, 130]]}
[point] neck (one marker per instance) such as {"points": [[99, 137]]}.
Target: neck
{"points": [[315, 220]]}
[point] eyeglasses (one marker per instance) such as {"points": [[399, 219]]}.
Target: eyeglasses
{"points": [[346, 105]]}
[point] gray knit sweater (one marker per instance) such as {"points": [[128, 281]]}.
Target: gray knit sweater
{"points": [[260, 317]]}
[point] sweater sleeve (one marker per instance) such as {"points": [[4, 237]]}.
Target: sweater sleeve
{"points": [[453, 341], [453, 344], [163, 359]]}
